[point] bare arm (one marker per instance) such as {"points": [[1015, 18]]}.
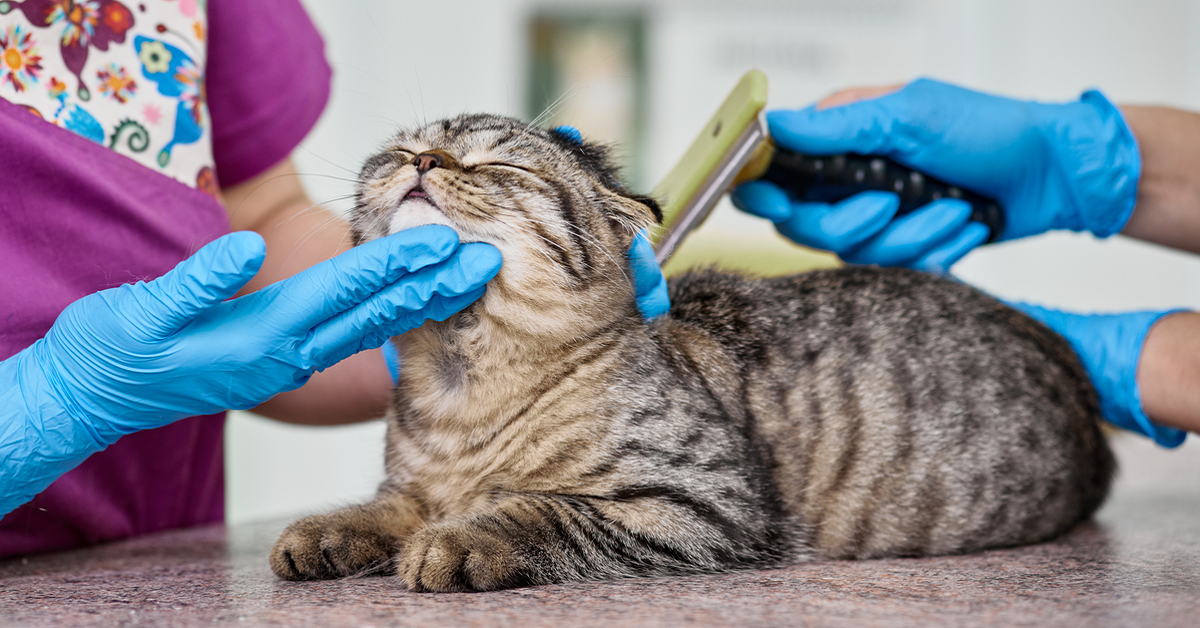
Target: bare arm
{"points": [[1168, 213], [1169, 372], [300, 234], [1168, 203]]}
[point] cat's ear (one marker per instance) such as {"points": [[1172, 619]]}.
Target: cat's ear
{"points": [[631, 213]]}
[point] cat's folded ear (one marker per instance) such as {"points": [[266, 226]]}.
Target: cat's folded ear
{"points": [[630, 213]]}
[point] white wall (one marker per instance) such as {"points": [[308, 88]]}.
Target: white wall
{"points": [[401, 62]]}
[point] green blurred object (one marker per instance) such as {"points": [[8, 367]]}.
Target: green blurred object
{"points": [[763, 256]]}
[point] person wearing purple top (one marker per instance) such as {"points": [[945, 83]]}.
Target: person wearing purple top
{"points": [[122, 128]]}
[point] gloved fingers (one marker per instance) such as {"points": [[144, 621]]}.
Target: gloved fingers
{"points": [[843, 226], [911, 236], [649, 284], [402, 305], [656, 302], [339, 284], [439, 309], [864, 127], [763, 199], [947, 253], [214, 273], [908, 125]]}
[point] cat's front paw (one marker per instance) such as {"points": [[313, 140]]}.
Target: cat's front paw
{"points": [[461, 558], [332, 546]]}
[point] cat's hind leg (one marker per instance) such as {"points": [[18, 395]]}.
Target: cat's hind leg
{"points": [[355, 541]]}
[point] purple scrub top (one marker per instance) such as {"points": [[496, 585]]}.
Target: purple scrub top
{"points": [[76, 217]]}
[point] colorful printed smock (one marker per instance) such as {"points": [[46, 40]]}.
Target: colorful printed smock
{"points": [[128, 75], [104, 187]]}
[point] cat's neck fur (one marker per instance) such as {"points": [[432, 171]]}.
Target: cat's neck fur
{"points": [[481, 368]]}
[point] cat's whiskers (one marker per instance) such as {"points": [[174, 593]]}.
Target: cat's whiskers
{"points": [[604, 249], [343, 241], [591, 238], [322, 158], [567, 295], [321, 175], [525, 215], [554, 107], [319, 206], [376, 225], [565, 290]]}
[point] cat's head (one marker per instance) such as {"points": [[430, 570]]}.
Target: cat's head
{"points": [[550, 202]]}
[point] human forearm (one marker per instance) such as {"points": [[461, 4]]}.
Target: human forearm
{"points": [[1168, 200], [299, 233], [1169, 372], [1168, 213], [353, 390]]}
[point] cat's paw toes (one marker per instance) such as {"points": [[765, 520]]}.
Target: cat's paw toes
{"points": [[460, 558], [329, 546]]}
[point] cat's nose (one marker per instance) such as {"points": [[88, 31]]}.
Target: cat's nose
{"points": [[428, 161]]}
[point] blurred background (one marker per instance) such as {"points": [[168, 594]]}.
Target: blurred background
{"points": [[647, 74]]}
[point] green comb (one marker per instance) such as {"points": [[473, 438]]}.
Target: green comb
{"points": [[731, 139]]}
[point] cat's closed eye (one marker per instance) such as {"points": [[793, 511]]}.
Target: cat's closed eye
{"points": [[501, 164]]}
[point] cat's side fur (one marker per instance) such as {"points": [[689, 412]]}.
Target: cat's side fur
{"points": [[548, 433]]}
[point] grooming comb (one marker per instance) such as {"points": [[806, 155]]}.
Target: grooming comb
{"points": [[734, 147]]}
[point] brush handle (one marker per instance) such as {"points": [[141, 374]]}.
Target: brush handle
{"points": [[831, 178]]}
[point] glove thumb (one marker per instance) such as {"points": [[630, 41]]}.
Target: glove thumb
{"points": [[890, 125], [861, 127], [214, 273]]}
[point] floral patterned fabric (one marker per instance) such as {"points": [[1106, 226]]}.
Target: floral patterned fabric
{"points": [[77, 216], [127, 75]]}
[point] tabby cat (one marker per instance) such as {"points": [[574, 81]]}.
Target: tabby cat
{"points": [[548, 433]]}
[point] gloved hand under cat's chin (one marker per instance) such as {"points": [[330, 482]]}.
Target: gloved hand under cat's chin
{"points": [[143, 355]]}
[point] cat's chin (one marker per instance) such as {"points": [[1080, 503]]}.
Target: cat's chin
{"points": [[418, 213]]}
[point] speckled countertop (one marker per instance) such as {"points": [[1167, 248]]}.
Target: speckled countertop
{"points": [[1138, 564]]}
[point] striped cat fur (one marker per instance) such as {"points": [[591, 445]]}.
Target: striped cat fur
{"points": [[548, 433]]}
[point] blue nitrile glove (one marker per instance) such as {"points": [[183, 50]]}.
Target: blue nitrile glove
{"points": [[1051, 166], [1110, 346], [143, 355], [648, 281]]}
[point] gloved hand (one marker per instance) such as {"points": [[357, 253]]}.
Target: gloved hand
{"points": [[1110, 347], [1051, 166], [648, 281], [146, 354]]}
